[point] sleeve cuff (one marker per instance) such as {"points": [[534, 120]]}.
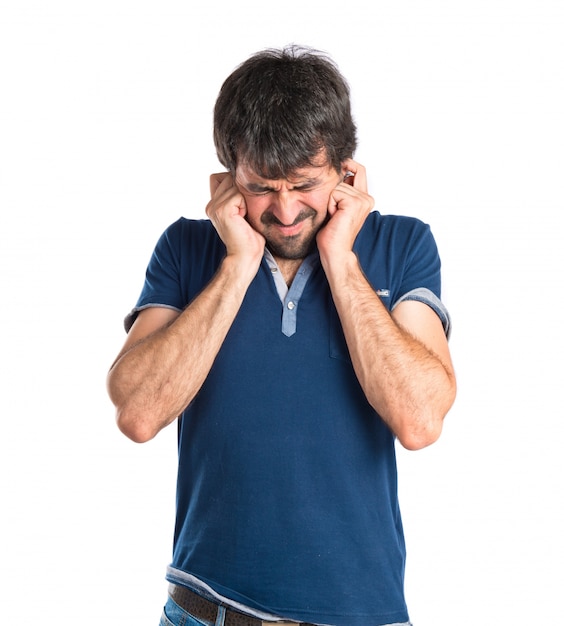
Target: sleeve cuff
{"points": [[132, 316], [426, 296]]}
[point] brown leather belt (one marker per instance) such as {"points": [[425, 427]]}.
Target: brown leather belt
{"points": [[206, 610]]}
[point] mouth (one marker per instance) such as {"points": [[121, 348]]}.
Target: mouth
{"points": [[288, 230]]}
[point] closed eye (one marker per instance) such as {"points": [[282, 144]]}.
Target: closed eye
{"points": [[256, 189], [259, 190], [258, 194]]}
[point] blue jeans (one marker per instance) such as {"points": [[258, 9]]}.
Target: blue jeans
{"points": [[173, 615]]}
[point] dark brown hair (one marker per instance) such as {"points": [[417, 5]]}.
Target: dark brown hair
{"points": [[280, 110]]}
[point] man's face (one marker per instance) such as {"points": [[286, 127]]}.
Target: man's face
{"points": [[288, 213]]}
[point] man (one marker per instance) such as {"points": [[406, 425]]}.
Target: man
{"points": [[294, 336]]}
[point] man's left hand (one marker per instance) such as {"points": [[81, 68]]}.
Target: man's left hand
{"points": [[348, 208]]}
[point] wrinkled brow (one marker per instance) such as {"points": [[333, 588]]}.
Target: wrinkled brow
{"points": [[303, 185]]}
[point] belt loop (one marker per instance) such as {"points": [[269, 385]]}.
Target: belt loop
{"points": [[220, 619]]}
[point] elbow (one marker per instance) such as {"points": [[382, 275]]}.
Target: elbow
{"points": [[130, 421], [425, 427], [417, 438], [133, 426]]}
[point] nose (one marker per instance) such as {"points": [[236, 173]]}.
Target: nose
{"points": [[285, 207]]}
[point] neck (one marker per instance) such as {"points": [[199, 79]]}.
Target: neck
{"points": [[289, 268]]}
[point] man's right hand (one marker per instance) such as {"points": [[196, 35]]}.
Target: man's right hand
{"points": [[168, 355], [227, 211]]}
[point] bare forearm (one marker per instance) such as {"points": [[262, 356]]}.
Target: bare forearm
{"points": [[153, 381], [409, 386]]}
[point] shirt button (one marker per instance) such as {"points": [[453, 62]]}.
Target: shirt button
{"points": [[274, 270], [291, 305]]}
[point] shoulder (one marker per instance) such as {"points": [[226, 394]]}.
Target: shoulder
{"points": [[185, 228], [392, 234], [395, 226], [398, 254], [186, 237]]}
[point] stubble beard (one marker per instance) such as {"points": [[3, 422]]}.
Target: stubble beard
{"points": [[292, 247]]}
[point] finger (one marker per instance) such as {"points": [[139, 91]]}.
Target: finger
{"points": [[332, 204], [359, 179], [349, 179], [216, 180]]}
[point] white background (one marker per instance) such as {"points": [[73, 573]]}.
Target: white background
{"points": [[105, 138]]}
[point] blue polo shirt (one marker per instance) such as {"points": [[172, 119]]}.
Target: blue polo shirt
{"points": [[287, 489]]}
